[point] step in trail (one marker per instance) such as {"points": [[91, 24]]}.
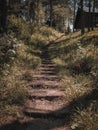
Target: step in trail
{"points": [[46, 100]]}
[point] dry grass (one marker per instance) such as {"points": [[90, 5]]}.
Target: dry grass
{"points": [[20, 53], [16, 60], [76, 58], [86, 119]]}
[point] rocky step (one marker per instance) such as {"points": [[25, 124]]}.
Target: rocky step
{"points": [[42, 93], [46, 109], [52, 77], [48, 65], [44, 83], [39, 86], [48, 72], [48, 98], [46, 68], [46, 78]]}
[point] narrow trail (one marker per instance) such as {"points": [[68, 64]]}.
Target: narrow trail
{"points": [[46, 99]]}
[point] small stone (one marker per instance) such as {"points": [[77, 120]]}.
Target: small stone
{"points": [[74, 126]]}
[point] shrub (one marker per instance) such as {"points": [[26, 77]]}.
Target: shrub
{"points": [[19, 28], [86, 119], [82, 66], [16, 96]]}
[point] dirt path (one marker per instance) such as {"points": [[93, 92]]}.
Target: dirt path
{"points": [[45, 108], [46, 100]]}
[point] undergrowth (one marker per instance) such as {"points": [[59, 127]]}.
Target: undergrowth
{"points": [[76, 59], [20, 55]]}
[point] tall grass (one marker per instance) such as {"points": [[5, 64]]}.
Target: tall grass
{"points": [[20, 55], [76, 59]]}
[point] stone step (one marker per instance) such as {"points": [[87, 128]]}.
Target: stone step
{"points": [[45, 76], [46, 68], [46, 93], [44, 108], [39, 86], [45, 71], [48, 65], [45, 83], [49, 98], [48, 72], [40, 75]]}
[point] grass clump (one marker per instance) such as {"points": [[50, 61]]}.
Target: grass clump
{"points": [[86, 119], [19, 28], [82, 66], [16, 58]]}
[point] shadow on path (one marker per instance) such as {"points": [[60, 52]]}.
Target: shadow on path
{"points": [[49, 122]]}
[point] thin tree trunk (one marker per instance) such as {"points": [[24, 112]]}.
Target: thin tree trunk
{"points": [[82, 18], [3, 15], [51, 12], [68, 26], [93, 15], [89, 17], [74, 13]]}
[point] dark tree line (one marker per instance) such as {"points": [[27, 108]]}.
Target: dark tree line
{"points": [[91, 4], [6, 6], [53, 12], [3, 15], [90, 25]]}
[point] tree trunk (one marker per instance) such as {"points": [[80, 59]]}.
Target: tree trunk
{"points": [[89, 17], [93, 19], [31, 10], [3, 15], [51, 12], [74, 13], [82, 17]]}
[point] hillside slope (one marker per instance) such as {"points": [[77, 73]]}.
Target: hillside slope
{"points": [[20, 56], [76, 63], [76, 58]]}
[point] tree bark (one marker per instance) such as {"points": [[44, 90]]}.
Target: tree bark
{"points": [[82, 17], [51, 12], [74, 13], [93, 15], [89, 17], [3, 15]]}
